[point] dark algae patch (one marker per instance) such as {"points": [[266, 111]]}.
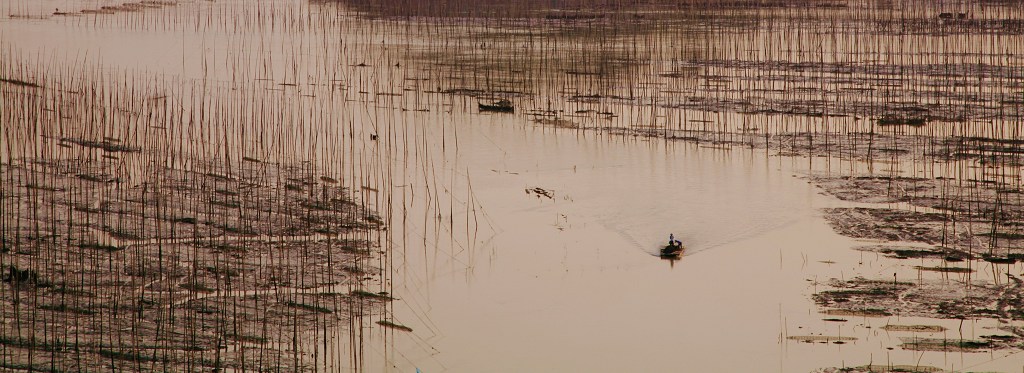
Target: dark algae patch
{"points": [[948, 345], [935, 299]]}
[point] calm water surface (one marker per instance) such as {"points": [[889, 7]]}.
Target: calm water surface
{"points": [[571, 283]]}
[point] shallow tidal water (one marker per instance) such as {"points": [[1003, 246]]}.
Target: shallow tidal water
{"points": [[571, 283]]}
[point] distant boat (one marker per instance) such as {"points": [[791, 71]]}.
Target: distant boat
{"points": [[672, 251], [502, 106]]}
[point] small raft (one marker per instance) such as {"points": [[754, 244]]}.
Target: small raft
{"points": [[671, 251]]}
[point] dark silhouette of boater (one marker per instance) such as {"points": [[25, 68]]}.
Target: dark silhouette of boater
{"points": [[673, 249]]}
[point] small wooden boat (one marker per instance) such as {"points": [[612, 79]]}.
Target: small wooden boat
{"points": [[672, 251], [502, 106]]}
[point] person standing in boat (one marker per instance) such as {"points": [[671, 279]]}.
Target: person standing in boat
{"points": [[672, 241]]}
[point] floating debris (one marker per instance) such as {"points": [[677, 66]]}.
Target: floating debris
{"points": [[541, 192]]}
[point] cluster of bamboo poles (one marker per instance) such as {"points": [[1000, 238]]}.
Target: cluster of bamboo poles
{"points": [[926, 96], [234, 215], [890, 88]]}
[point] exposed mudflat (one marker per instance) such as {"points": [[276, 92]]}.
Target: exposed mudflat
{"points": [[213, 269], [965, 230], [961, 219]]}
